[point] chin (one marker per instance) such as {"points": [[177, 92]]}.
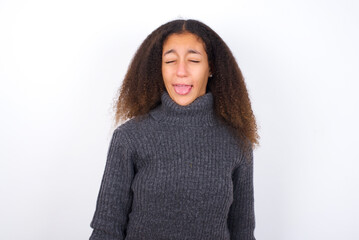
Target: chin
{"points": [[184, 101]]}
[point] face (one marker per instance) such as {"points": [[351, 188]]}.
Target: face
{"points": [[185, 67]]}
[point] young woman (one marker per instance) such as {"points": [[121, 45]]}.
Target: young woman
{"points": [[181, 167]]}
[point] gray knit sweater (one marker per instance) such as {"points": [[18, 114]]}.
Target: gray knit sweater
{"points": [[176, 173]]}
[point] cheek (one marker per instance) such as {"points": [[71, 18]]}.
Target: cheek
{"points": [[163, 69], [165, 75], [200, 75]]}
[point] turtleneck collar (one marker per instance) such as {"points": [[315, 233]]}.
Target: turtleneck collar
{"points": [[198, 113]]}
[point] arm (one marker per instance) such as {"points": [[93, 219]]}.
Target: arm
{"points": [[115, 197], [241, 217]]}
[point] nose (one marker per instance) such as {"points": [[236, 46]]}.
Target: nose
{"points": [[181, 69]]}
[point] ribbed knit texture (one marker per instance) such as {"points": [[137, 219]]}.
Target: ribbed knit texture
{"points": [[176, 174]]}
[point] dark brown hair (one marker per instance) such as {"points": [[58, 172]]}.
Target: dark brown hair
{"points": [[143, 84]]}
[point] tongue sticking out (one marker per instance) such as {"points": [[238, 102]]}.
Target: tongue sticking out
{"points": [[182, 89]]}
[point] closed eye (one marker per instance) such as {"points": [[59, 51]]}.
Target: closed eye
{"points": [[194, 61], [169, 61]]}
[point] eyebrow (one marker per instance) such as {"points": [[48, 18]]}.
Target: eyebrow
{"points": [[189, 51]]}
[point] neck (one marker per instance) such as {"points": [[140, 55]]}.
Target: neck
{"points": [[198, 113]]}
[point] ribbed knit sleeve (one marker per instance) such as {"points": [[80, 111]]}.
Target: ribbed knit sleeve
{"points": [[115, 196], [241, 217]]}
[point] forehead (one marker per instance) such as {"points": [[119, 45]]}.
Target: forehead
{"points": [[183, 40]]}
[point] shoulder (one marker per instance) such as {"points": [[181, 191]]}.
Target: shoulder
{"points": [[240, 144], [135, 124], [132, 130]]}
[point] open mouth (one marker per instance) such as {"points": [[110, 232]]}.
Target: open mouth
{"points": [[182, 89]]}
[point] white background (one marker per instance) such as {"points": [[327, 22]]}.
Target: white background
{"points": [[61, 63]]}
